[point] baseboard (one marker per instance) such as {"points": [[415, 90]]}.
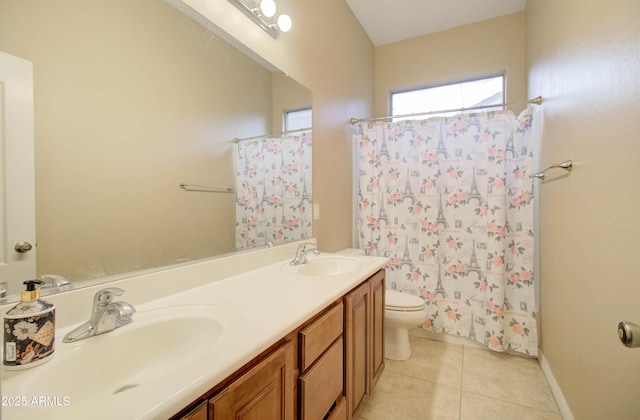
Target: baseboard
{"points": [[563, 407]]}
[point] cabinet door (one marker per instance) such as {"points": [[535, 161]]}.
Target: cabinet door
{"points": [[357, 319], [265, 392], [377, 328]]}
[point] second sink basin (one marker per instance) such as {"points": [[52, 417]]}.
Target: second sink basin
{"points": [[329, 266]]}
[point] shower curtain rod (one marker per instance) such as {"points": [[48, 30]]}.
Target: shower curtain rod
{"points": [[536, 101], [237, 140]]}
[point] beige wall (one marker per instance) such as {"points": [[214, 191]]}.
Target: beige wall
{"points": [[483, 48], [584, 59], [328, 52]]}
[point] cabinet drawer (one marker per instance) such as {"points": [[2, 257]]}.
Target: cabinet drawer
{"points": [[321, 385], [316, 337], [339, 412]]}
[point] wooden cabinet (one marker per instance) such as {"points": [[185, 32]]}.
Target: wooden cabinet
{"points": [[197, 413], [364, 341], [264, 392], [324, 369]]}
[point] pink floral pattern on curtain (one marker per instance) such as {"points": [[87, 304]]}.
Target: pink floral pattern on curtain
{"points": [[273, 190], [450, 202]]}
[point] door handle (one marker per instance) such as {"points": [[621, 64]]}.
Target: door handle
{"points": [[23, 247], [629, 333]]}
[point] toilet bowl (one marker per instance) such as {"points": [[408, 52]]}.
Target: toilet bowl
{"points": [[402, 311]]}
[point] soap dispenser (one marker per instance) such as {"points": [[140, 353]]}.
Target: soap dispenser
{"points": [[29, 330]]}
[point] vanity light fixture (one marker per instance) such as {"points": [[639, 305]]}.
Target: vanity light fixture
{"points": [[268, 8], [263, 12]]}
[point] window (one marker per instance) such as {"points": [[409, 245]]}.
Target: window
{"points": [[480, 92], [298, 119]]}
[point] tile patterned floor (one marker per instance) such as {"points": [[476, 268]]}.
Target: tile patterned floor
{"points": [[444, 381]]}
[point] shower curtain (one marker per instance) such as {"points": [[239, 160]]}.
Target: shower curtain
{"points": [[273, 190], [450, 202]]}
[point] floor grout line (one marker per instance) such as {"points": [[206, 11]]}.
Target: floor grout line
{"points": [[422, 379]]}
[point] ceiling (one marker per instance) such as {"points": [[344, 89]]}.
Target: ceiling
{"points": [[387, 21]]}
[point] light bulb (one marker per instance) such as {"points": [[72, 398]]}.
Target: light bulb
{"points": [[268, 7], [284, 23]]}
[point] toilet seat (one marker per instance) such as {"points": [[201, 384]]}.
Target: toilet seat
{"points": [[403, 302]]}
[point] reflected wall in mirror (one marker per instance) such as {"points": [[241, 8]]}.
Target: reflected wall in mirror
{"points": [[132, 98]]}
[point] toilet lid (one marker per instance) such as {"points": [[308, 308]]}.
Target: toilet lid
{"points": [[402, 301]]}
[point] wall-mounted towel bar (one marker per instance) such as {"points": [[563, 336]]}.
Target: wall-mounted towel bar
{"points": [[207, 188], [567, 165]]}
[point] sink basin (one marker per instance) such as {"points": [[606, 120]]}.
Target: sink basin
{"points": [[329, 266], [156, 346]]}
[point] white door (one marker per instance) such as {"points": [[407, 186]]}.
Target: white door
{"points": [[17, 180]]}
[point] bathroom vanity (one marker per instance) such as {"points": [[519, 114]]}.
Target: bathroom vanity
{"points": [[247, 335], [325, 368]]}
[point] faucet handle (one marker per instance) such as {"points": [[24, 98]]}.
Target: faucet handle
{"points": [[105, 296], [126, 311], [303, 246]]}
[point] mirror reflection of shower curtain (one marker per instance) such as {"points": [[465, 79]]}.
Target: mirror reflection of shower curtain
{"points": [[449, 201], [273, 190]]}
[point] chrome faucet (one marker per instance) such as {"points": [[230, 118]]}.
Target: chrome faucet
{"points": [[56, 280], [56, 284], [106, 315], [302, 252]]}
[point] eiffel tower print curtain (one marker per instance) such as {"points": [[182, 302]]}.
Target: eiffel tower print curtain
{"points": [[449, 201], [273, 190]]}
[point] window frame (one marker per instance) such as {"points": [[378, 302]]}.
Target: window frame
{"points": [[428, 86], [287, 112]]}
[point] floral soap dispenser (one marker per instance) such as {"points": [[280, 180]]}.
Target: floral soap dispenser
{"points": [[29, 330]]}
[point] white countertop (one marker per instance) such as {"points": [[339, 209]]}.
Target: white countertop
{"points": [[269, 302]]}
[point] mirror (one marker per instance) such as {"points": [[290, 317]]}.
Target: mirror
{"points": [[132, 98]]}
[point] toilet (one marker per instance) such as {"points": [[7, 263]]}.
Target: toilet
{"points": [[402, 311]]}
